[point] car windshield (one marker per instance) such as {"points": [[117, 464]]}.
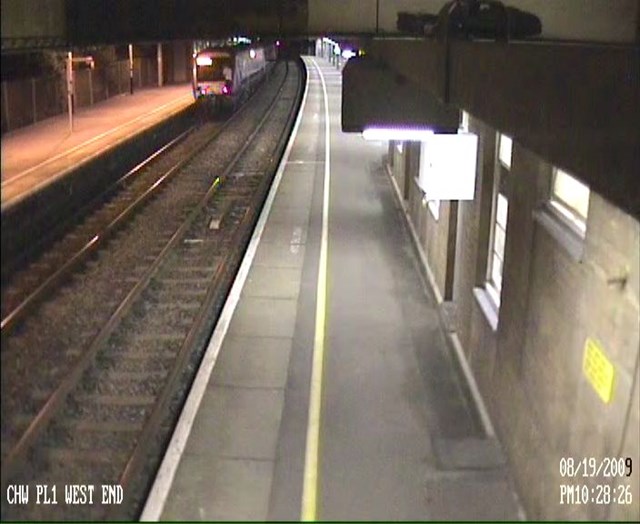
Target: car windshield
{"points": [[221, 68]]}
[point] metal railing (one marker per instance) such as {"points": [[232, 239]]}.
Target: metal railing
{"points": [[31, 100]]}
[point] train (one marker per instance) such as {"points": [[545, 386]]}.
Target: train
{"points": [[225, 76]]}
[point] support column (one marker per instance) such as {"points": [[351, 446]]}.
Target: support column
{"points": [[5, 99], [70, 88], [159, 55], [130, 68], [33, 100]]}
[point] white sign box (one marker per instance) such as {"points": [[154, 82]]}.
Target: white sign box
{"points": [[448, 166]]}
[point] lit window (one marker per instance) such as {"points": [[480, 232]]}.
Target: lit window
{"points": [[497, 249], [570, 198], [504, 150], [499, 223]]}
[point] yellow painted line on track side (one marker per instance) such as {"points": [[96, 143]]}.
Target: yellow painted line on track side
{"points": [[311, 464]]}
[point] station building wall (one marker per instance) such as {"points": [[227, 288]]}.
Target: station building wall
{"points": [[527, 355]]}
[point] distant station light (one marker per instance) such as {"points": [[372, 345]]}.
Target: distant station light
{"points": [[348, 53]]}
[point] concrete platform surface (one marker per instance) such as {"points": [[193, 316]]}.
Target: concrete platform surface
{"points": [[399, 438], [35, 155]]}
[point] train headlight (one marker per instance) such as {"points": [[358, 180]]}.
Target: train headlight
{"points": [[204, 61]]}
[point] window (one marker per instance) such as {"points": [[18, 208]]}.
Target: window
{"points": [[570, 199], [505, 144], [213, 69], [464, 122], [499, 220]]}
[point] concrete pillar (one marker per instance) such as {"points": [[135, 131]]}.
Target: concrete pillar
{"points": [[131, 69], [159, 56], [33, 99], [5, 101], [70, 88], [91, 86]]}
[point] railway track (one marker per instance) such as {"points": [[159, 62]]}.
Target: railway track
{"points": [[94, 371], [92, 225]]}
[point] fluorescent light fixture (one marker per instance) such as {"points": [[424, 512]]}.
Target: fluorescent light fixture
{"points": [[348, 53], [397, 133], [204, 61]]}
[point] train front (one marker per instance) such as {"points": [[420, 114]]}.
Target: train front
{"points": [[213, 74]]}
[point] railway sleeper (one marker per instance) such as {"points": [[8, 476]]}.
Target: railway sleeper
{"points": [[115, 400], [70, 455]]}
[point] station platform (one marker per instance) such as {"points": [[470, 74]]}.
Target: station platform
{"points": [[328, 390], [34, 156]]}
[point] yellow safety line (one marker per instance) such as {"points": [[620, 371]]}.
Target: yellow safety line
{"points": [[310, 486]]}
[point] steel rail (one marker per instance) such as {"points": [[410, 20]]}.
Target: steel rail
{"points": [[11, 320], [137, 458], [56, 400]]}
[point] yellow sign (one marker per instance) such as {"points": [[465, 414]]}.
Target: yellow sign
{"points": [[598, 370]]}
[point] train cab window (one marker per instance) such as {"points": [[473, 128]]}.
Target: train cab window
{"points": [[215, 69], [569, 199], [499, 220]]}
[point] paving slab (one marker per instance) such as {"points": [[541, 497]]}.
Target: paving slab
{"points": [[253, 362], [268, 317], [220, 489], [273, 282], [237, 422]]}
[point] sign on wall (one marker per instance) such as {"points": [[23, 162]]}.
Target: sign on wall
{"points": [[448, 166], [598, 369]]}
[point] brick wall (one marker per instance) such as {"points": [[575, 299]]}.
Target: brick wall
{"points": [[529, 368]]}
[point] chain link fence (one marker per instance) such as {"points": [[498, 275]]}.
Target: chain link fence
{"points": [[31, 100]]}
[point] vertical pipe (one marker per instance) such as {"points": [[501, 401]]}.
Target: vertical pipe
{"points": [[159, 53], [91, 86], [33, 99], [451, 250], [70, 88], [131, 69]]}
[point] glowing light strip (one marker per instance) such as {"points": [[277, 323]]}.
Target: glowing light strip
{"points": [[397, 133]]}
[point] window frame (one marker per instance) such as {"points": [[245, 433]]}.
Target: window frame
{"points": [[562, 209], [500, 190]]}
